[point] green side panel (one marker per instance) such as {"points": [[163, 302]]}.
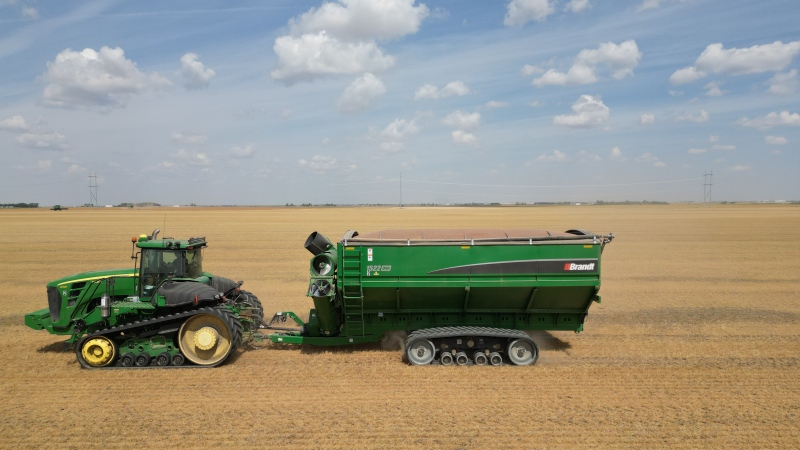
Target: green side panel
{"points": [[542, 286]]}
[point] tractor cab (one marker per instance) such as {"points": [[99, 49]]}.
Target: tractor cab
{"points": [[167, 258]]}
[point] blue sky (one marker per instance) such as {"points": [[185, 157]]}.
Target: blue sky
{"points": [[256, 103]]}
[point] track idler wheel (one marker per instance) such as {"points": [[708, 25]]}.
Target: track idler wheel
{"points": [[208, 338], [98, 351], [420, 352], [522, 352]]}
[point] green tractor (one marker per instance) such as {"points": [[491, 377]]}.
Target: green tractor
{"points": [[165, 311]]}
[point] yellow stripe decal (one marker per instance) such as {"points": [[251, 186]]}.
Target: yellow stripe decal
{"points": [[101, 277]]}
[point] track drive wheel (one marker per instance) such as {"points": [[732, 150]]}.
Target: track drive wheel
{"points": [[208, 338], [97, 351]]}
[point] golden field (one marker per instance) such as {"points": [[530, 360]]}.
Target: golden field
{"points": [[695, 344]]}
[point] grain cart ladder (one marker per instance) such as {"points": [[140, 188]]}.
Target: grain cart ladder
{"points": [[352, 292]]}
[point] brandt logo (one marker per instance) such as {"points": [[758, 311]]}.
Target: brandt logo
{"points": [[573, 266]]}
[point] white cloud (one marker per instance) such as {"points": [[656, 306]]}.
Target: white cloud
{"points": [[492, 104], [584, 156], [697, 151], [686, 75], [713, 89], [30, 12], [360, 93], [653, 4], [399, 129], [529, 70], [713, 138], [536, 103], [775, 140], [727, 148], [194, 158], [391, 147], [242, 152], [589, 112], [362, 20], [700, 117], [783, 83], [648, 4], [647, 119], [453, 88], [520, 12], [577, 75], [461, 137], [195, 74], [621, 59], [14, 123], [556, 156], [340, 38], [189, 138], [44, 165], [650, 158], [616, 154], [773, 119], [463, 120], [320, 164], [50, 140], [163, 166], [738, 61], [577, 6], [76, 169], [95, 79], [317, 55], [740, 168]]}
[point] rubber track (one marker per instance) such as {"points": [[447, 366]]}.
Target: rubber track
{"points": [[451, 332], [446, 332], [230, 319]]}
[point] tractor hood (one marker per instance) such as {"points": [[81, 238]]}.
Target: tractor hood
{"points": [[92, 276]]}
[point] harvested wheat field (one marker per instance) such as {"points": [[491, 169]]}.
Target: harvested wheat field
{"points": [[696, 343]]}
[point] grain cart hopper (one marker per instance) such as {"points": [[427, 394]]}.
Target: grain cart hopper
{"points": [[464, 296], [165, 312]]}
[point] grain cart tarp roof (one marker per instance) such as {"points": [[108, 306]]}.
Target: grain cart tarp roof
{"points": [[474, 236]]}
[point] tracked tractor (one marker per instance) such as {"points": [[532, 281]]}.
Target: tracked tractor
{"points": [[165, 311]]}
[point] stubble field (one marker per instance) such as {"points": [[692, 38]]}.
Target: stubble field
{"points": [[696, 343]]}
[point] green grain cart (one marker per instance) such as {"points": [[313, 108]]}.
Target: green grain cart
{"points": [[464, 296]]}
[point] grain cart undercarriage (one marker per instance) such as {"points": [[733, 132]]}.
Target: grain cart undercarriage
{"points": [[166, 311]]}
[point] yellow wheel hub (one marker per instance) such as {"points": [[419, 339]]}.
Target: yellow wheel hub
{"points": [[98, 352], [205, 338]]}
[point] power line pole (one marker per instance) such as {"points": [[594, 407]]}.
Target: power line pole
{"points": [[708, 179], [401, 189], [93, 190]]}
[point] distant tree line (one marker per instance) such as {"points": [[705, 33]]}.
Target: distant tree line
{"points": [[629, 202], [140, 205], [19, 205]]}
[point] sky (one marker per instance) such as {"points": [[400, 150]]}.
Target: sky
{"points": [[390, 101]]}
